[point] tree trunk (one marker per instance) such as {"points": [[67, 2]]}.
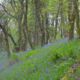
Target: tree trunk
{"points": [[56, 22], [71, 18], [39, 18], [6, 39], [47, 28], [77, 17], [62, 17]]}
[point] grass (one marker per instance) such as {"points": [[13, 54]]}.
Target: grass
{"points": [[51, 63]]}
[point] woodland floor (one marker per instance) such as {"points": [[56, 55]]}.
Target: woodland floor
{"points": [[56, 61]]}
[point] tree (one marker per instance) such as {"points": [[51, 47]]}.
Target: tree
{"points": [[71, 18]]}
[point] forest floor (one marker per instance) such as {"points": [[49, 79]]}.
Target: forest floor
{"points": [[56, 61], [3, 57]]}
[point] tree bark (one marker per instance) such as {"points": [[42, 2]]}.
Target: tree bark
{"points": [[76, 6], [71, 18], [39, 18]]}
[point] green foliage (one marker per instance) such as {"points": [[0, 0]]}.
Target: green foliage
{"points": [[45, 63], [14, 57]]}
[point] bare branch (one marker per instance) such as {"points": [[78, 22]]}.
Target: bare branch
{"points": [[7, 11]]}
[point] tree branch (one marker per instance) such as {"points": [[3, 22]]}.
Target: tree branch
{"points": [[7, 11]]}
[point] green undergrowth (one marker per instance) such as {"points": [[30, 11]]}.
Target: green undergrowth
{"points": [[50, 63]]}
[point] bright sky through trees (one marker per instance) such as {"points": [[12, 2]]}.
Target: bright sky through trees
{"points": [[0, 1]]}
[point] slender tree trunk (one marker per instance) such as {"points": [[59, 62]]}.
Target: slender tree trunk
{"points": [[47, 28], [71, 18], [6, 39], [7, 45], [77, 17], [56, 22], [26, 26], [20, 28], [39, 20], [62, 17]]}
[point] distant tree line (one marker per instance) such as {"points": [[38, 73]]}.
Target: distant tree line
{"points": [[31, 23]]}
